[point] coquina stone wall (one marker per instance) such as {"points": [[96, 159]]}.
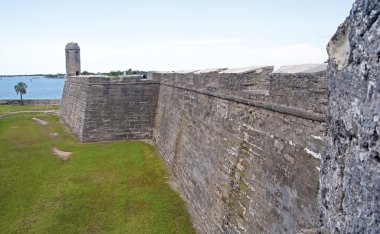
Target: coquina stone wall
{"points": [[350, 168], [243, 146], [98, 108]]}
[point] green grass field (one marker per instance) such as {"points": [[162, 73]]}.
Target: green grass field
{"points": [[117, 187], [15, 108]]}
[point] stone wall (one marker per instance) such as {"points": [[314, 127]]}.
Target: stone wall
{"points": [[350, 168], [73, 106], [97, 108], [244, 147]]}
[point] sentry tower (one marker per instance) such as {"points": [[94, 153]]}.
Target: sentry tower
{"points": [[72, 51]]}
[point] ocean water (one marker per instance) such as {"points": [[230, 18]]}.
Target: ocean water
{"points": [[38, 87]]}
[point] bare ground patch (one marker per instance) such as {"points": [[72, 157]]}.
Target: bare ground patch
{"points": [[53, 134], [61, 154], [40, 121]]}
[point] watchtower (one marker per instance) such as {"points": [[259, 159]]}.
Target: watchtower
{"points": [[72, 51]]}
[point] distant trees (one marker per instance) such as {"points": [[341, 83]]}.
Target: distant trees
{"points": [[53, 76], [117, 73], [20, 88], [87, 73]]}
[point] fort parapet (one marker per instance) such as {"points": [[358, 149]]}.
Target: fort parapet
{"points": [[243, 145]]}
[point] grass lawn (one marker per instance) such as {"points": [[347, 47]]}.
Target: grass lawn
{"points": [[117, 187], [14, 108]]}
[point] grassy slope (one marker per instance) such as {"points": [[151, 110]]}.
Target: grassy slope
{"points": [[14, 108], [117, 187]]}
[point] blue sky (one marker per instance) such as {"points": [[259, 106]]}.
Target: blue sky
{"points": [[167, 34]]}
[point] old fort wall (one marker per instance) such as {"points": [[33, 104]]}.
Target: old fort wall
{"points": [[243, 151], [98, 108], [242, 146]]}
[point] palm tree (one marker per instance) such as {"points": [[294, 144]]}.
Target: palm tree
{"points": [[20, 88]]}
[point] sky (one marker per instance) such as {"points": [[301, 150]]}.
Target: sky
{"points": [[165, 35]]}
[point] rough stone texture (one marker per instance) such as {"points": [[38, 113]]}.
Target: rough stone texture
{"points": [[72, 52], [310, 90], [243, 160], [302, 68], [350, 171], [73, 106], [243, 148], [97, 108], [243, 69]]}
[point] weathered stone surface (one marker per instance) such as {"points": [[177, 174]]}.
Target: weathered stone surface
{"points": [[73, 106], [349, 199], [302, 68], [208, 70], [98, 108], [241, 166], [306, 91], [243, 146], [258, 69], [72, 52]]}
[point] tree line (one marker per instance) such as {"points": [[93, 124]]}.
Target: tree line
{"points": [[116, 73]]}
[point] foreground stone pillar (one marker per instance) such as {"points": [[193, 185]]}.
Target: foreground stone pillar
{"points": [[349, 199]]}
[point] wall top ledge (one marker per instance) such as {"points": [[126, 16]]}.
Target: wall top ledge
{"points": [[175, 72], [93, 79], [302, 68], [185, 71], [198, 71], [291, 69], [241, 70], [108, 77], [208, 70]]}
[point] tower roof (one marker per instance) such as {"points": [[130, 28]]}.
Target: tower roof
{"points": [[72, 46]]}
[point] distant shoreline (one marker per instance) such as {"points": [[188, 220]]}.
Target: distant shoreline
{"points": [[47, 76], [38, 88], [30, 101]]}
